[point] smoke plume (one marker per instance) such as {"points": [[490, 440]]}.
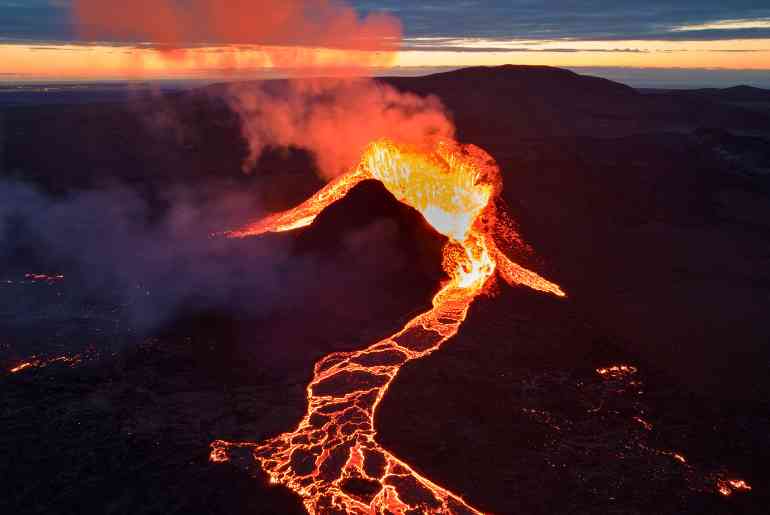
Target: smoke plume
{"points": [[286, 33], [335, 119], [115, 246]]}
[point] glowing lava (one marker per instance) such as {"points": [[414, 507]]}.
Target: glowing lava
{"points": [[36, 362], [332, 459], [616, 371], [726, 487]]}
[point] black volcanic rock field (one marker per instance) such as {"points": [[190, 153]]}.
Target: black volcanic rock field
{"points": [[651, 209]]}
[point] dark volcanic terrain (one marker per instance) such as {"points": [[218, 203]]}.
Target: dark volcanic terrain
{"points": [[651, 209]]}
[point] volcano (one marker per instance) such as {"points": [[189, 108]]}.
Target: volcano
{"points": [[335, 444], [644, 390]]}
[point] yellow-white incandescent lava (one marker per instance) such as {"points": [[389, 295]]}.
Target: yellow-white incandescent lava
{"points": [[332, 459]]}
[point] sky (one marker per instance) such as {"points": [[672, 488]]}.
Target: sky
{"points": [[46, 39]]}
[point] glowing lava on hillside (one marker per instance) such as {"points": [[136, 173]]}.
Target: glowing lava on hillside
{"points": [[332, 459]]}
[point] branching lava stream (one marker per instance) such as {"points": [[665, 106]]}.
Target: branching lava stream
{"points": [[332, 459]]}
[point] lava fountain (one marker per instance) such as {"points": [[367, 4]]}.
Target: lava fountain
{"points": [[332, 459]]}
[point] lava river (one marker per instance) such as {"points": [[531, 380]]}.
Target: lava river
{"points": [[332, 459]]}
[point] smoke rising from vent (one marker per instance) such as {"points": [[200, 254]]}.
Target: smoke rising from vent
{"points": [[113, 245], [335, 119]]}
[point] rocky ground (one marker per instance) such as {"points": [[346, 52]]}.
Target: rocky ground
{"points": [[522, 411]]}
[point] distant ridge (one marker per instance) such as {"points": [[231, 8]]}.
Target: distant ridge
{"points": [[515, 101], [740, 93], [529, 76]]}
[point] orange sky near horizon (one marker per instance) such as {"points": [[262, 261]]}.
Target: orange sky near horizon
{"points": [[103, 62]]}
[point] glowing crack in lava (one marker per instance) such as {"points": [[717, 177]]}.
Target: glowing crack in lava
{"points": [[332, 459]]}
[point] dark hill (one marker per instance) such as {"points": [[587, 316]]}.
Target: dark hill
{"points": [[734, 94], [502, 85], [532, 102]]}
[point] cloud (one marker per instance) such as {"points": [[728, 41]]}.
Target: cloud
{"points": [[36, 20], [595, 20], [726, 25], [484, 46], [566, 19]]}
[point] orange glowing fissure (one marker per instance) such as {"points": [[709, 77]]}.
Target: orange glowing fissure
{"points": [[332, 459]]}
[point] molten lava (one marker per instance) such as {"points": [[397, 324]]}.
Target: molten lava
{"points": [[38, 362], [332, 459], [616, 371], [726, 487]]}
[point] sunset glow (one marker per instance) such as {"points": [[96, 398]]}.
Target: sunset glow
{"points": [[114, 62]]}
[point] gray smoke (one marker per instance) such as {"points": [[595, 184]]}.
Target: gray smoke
{"points": [[115, 247]]}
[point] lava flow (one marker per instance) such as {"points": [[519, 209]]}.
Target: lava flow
{"points": [[37, 362], [332, 459]]}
